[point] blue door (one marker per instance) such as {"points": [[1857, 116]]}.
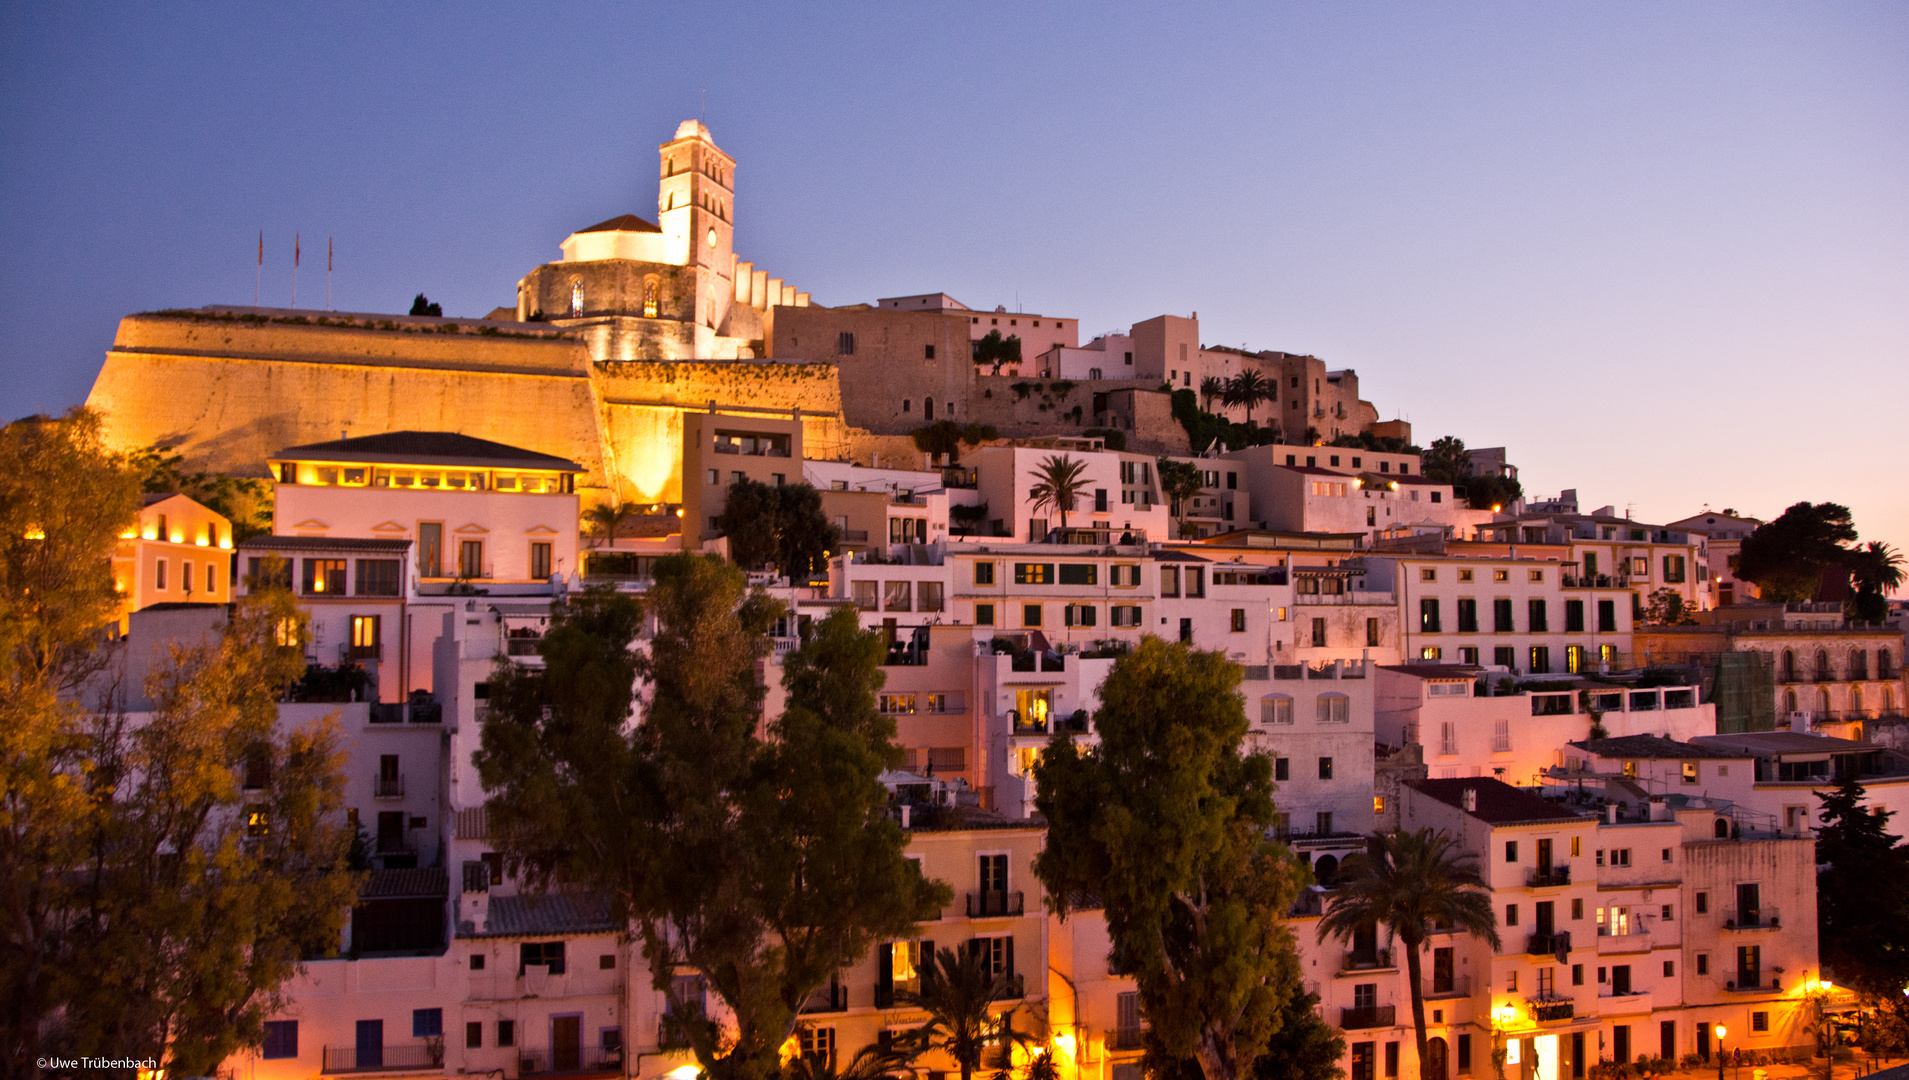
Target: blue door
{"points": [[370, 1044]]}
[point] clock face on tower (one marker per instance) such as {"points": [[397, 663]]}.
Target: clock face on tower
{"points": [[712, 238]]}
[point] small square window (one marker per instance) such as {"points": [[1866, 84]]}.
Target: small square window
{"points": [[1759, 1021], [1670, 968], [1667, 913], [1428, 574], [606, 962], [1703, 903], [984, 614], [1703, 963], [1537, 575], [1666, 854], [427, 1023], [281, 1040], [477, 961], [1464, 575], [1511, 851], [1511, 914], [1501, 575], [1577, 974]]}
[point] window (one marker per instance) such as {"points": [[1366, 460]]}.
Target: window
{"points": [[1467, 616], [185, 576], [1428, 615], [1505, 656], [1195, 581], [281, 1040], [1031, 615], [473, 1035], [1033, 573], [1318, 632], [1540, 659], [365, 636], [539, 561], [1606, 616], [1391, 1059], [477, 961], [1079, 615], [1501, 615], [1577, 974], [1428, 574], [1282, 767], [845, 344], [984, 573], [1371, 632], [1334, 709], [1464, 1053], [1511, 914], [927, 352], [507, 1033], [427, 1023], [817, 1045], [1169, 581], [1501, 574], [1511, 851], [1670, 968], [1431, 652], [323, 577], [535, 953], [1079, 574], [1540, 620], [1703, 903], [1448, 737], [1573, 616], [606, 962], [1325, 768], [1620, 856], [1674, 569], [378, 577], [1239, 620], [470, 559], [1759, 1021], [1666, 854], [1276, 709], [1703, 963], [984, 614]]}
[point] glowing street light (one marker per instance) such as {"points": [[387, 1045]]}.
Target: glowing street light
{"points": [[1721, 1032]]}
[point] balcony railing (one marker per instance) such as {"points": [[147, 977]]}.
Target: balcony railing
{"points": [[1126, 1038], [418, 1055], [1755, 986], [992, 903], [1361, 960], [1547, 944], [524, 646], [1448, 987], [1550, 1008], [1370, 1016], [1557, 875], [1027, 725], [570, 1061], [388, 787], [1756, 918], [1636, 939]]}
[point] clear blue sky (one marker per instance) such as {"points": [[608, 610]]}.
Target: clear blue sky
{"points": [[1661, 251]]}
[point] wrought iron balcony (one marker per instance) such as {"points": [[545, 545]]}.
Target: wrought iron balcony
{"points": [[1370, 1016], [993, 903]]}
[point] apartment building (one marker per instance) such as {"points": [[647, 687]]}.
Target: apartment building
{"points": [[353, 591], [1316, 723], [1346, 490], [1522, 612], [1121, 498], [1609, 550], [721, 449], [175, 551]]}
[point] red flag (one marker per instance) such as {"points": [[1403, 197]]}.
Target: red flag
{"points": [[327, 254], [294, 249], [261, 247]]}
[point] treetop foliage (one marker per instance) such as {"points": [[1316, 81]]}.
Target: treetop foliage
{"points": [[778, 525], [1786, 557]]}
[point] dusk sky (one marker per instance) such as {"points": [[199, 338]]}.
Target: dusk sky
{"points": [[1659, 251]]}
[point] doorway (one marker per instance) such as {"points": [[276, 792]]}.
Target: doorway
{"points": [[1435, 1060], [566, 1043]]}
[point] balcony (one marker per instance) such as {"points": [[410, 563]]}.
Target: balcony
{"points": [[408, 1057], [1373, 960], [1546, 879], [1452, 986], [388, 787], [1024, 725], [1369, 1016], [1635, 1002], [524, 646], [1550, 1008], [993, 904], [1757, 918], [1756, 985], [1638, 939], [1548, 944], [1126, 1038], [570, 1061]]}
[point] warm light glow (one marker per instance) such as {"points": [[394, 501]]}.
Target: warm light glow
{"points": [[1064, 1044], [1495, 508], [178, 538], [34, 532], [679, 511], [1721, 1032], [226, 541], [684, 1072]]}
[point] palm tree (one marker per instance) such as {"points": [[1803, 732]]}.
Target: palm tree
{"points": [[1212, 387], [1061, 481], [1180, 481], [1876, 569], [869, 1063], [604, 520], [1248, 388], [1409, 882], [958, 991]]}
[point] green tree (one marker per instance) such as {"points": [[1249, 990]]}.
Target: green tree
{"points": [[1180, 481], [765, 860], [1492, 492], [1304, 1048], [1875, 569], [1212, 386], [1249, 388], [996, 350], [604, 519], [959, 993], [1411, 882], [1862, 895], [777, 525], [421, 306], [872, 1062], [1667, 608], [1167, 822], [1060, 480], [1786, 558], [1446, 462]]}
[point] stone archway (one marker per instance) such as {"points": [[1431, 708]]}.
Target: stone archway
{"points": [[1435, 1059]]}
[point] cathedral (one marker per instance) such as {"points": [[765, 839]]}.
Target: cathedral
{"points": [[673, 290]]}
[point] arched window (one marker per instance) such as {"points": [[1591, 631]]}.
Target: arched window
{"points": [[1884, 664], [1822, 701], [1276, 709], [1858, 664], [1856, 701], [1789, 666], [1789, 703], [1334, 708], [650, 306], [576, 296], [1722, 829], [1822, 665], [1325, 869], [1888, 701]]}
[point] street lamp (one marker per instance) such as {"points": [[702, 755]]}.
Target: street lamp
{"points": [[1721, 1032]]}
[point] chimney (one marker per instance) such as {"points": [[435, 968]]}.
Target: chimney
{"points": [[1610, 813], [1470, 800]]}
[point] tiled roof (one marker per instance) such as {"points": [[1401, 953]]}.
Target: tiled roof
{"points": [[1172, 555], [323, 543], [552, 913], [427, 447], [1313, 470], [1435, 671], [623, 223], [1498, 802], [425, 881], [1783, 742], [1651, 746]]}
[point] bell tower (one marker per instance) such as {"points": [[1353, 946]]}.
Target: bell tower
{"points": [[696, 200]]}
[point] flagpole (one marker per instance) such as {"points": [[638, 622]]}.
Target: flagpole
{"points": [[294, 271], [327, 273], [258, 275]]}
